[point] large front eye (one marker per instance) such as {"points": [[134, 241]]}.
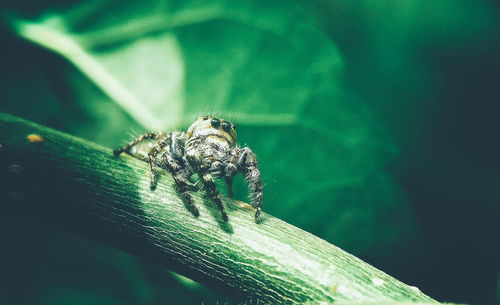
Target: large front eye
{"points": [[215, 123], [226, 126]]}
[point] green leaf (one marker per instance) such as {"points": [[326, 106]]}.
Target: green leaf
{"points": [[265, 66]]}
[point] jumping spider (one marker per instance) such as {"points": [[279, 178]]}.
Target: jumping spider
{"points": [[209, 149]]}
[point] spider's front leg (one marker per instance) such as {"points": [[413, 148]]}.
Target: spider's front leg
{"points": [[182, 182], [211, 188], [231, 169], [247, 163], [196, 161]]}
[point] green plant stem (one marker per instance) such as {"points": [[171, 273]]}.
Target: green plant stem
{"points": [[79, 186]]}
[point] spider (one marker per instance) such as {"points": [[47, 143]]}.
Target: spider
{"points": [[209, 149]]}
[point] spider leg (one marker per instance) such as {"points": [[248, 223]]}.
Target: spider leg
{"points": [[152, 157], [210, 187], [247, 162], [181, 181], [147, 136], [153, 173], [231, 169], [195, 159], [183, 187]]}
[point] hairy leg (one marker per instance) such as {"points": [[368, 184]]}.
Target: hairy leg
{"points": [[181, 181], [231, 167], [247, 161], [153, 165], [147, 136], [210, 187], [194, 155]]}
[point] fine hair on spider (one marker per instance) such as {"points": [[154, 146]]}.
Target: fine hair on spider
{"points": [[207, 149]]}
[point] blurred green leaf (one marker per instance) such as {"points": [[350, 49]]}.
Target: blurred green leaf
{"points": [[266, 67]]}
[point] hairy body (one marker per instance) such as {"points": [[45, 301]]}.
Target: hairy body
{"points": [[208, 149]]}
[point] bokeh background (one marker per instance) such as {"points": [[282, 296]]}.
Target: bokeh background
{"points": [[376, 124]]}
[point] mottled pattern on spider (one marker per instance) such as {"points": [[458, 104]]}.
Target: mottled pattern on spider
{"points": [[209, 149]]}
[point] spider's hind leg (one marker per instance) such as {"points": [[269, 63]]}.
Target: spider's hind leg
{"points": [[147, 136], [153, 178]]}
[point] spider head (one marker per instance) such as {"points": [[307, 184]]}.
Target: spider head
{"points": [[213, 127]]}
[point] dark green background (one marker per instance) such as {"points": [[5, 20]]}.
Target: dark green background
{"points": [[376, 124]]}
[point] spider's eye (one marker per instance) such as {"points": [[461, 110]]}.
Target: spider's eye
{"points": [[205, 117], [226, 126], [215, 123]]}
